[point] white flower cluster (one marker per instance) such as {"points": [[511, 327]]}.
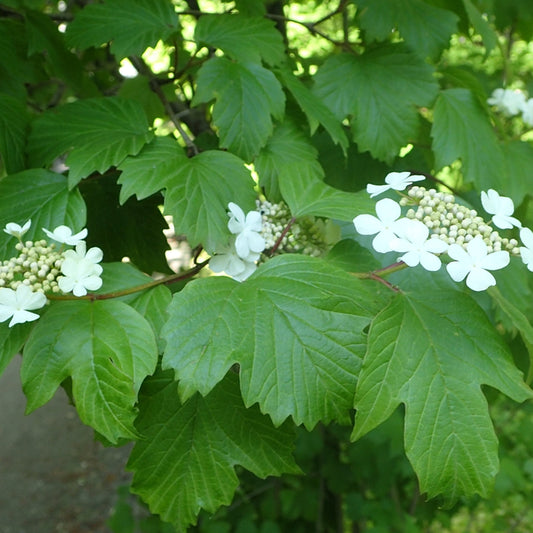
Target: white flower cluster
{"points": [[40, 268], [238, 258], [512, 102], [439, 225]]}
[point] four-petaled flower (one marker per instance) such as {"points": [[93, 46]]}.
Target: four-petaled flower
{"points": [[247, 228], [474, 264], [416, 245], [501, 208], [526, 251], [394, 180], [16, 230], [385, 225], [17, 304], [81, 271], [63, 234]]}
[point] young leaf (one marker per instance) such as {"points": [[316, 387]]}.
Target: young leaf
{"points": [[360, 86], [198, 189], [130, 25], [13, 130], [295, 327], [422, 352], [186, 459], [457, 115], [426, 29], [246, 39], [246, 97], [97, 133], [44, 198], [107, 348], [314, 108]]}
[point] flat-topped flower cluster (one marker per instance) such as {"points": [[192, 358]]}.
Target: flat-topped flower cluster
{"points": [[41, 268], [436, 224]]}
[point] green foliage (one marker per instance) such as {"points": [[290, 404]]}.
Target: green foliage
{"points": [[242, 396], [211, 434]]}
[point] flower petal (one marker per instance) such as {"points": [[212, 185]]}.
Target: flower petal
{"points": [[367, 224], [375, 190], [495, 261], [477, 249], [457, 252], [479, 279], [381, 242], [388, 210], [395, 179], [457, 270], [430, 262], [21, 316]]}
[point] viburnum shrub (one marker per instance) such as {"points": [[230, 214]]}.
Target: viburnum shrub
{"points": [[345, 176]]}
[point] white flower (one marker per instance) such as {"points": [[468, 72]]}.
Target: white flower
{"points": [[474, 262], [16, 230], [501, 208], [394, 180], [81, 271], [247, 228], [15, 304], [508, 101], [63, 234], [93, 255], [527, 112], [229, 262], [526, 252], [385, 225], [416, 245]]}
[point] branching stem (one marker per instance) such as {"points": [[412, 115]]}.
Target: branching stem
{"points": [[167, 280]]}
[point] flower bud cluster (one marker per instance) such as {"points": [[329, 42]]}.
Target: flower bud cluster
{"points": [[454, 223], [38, 266], [307, 235], [439, 225]]}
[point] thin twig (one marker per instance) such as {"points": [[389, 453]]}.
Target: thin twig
{"points": [[167, 280], [143, 69], [282, 236]]}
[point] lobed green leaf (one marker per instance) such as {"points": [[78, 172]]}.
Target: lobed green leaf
{"points": [[106, 347], [246, 98], [198, 189], [130, 25], [186, 460], [295, 328], [380, 91], [246, 39], [97, 133], [424, 354], [425, 28]]}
